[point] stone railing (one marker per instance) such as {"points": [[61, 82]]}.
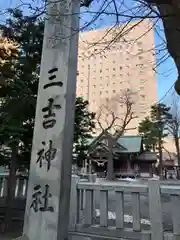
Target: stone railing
{"points": [[21, 186], [118, 210], [152, 199]]}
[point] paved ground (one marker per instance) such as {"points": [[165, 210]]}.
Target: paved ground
{"points": [[17, 225], [15, 233]]}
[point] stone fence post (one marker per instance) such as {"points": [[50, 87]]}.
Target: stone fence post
{"points": [[73, 202]]}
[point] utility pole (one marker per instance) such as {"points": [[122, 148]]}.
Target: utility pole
{"points": [[159, 122], [48, 197]]}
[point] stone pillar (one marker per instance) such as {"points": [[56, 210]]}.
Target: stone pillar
{"points": [[48, 197]]}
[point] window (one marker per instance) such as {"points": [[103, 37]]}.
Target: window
{"points": [[142, 96], [100, 71], [107, 69], [114, 69], [114, 75], [141, 88], [81, 80], [100, 92], [140, 57], [113, 82], [114, 91], [106, 91], [120, 67], [114, 61], [139, 65], [120, 75], [94, 86], [107, 85], [139, 43]]}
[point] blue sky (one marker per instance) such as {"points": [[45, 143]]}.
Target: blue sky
{"points": [[166, 72]]}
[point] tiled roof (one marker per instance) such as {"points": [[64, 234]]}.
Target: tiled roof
{"points": [[130, 144], [125, 144]]}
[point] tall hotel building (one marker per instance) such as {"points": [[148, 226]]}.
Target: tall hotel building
{"points": [[106, 70]]}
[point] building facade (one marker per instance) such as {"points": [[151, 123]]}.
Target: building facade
{"points": [[112, 63]]}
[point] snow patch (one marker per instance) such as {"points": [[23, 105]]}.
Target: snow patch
{"points": [[128, 179], [155, 177], [100, 179], [127, 218]]}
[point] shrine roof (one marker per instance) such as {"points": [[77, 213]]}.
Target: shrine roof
{"points": [[130, 144], [125, 144]]}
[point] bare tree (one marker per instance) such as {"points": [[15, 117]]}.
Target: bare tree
{"points": [[169, 12], [121, 14], [117, 123], [115, 114], [173, 123]]}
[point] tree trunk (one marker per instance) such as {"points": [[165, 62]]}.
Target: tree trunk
{"points": [[176, 139], [110, 166], [170, 15], [11, 189], [160, 132], [160, 160], [110, 163]]}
